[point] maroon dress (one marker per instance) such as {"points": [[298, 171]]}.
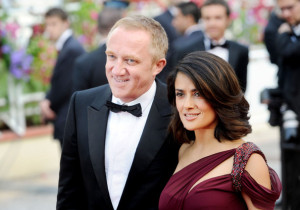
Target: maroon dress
{"points": [[221, 192]]}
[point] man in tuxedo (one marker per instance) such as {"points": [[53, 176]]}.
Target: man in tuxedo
{"points": [[89, 68], [288, 48], [55, 106], [270, 38], [270, 34], [215, 16], [117, 153]]}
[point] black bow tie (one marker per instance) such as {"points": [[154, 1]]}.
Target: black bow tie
{"points": [[224, 45], [135, 110]]}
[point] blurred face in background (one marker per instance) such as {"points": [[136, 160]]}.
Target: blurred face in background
{"points": [[287, 8], [55, 27], [180, 22], [296, 12], [215, 21]]}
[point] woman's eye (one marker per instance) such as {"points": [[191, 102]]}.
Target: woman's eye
{"points": [[178, 94], [197, 94]]}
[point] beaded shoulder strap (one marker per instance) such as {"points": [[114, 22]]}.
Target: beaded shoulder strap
{"points": [[240, 160]]}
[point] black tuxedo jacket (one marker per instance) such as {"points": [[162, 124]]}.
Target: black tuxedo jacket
{"points": [[186, 44], [270, 36], [238, 57], [61, 83], [82, 179], [289, 55], [89, 69]]}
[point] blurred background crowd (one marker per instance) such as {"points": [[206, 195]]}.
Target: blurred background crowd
{"points": [[28, 58]]}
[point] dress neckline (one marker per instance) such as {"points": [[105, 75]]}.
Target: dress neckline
{"points": [[203, 158]]}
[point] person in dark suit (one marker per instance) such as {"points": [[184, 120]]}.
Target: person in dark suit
{"points": [[270, 37], [117, 153], [55, 106], [165, 19], [186, 22], [288, 48], [89, 68], [215, 16], [270, 34]]}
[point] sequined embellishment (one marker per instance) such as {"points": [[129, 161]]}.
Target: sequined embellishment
{"points": [[241, 157]]}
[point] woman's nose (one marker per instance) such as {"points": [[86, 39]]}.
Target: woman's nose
{"points": [[189, 103]]}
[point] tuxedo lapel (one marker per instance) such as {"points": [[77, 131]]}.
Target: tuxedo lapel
{"points": [[63, 53], [232, 54], [150, 143], [152, 139], [97, 123]]}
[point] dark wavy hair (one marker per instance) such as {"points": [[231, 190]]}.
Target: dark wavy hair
{"points": [[216, 81]]}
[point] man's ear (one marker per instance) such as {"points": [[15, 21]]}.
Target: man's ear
{"points": [[229, 21], [190, 19], [159, 65], [67, 24]]}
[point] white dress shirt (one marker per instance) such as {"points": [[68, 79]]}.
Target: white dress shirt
{"points": [[123, 134], [296, 30], [62, 39], [219, 51]]}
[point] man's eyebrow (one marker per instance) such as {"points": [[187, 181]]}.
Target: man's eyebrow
{"points": [[131, 57], [108, 51]]}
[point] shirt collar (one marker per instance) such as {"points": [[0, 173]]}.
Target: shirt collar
{"points": [[296, 30], [102, 41], [173, 10], [62, 39], [192, 29], [144, 99], [220, 42], [208, 41]]}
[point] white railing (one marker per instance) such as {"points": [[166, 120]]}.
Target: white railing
{"points": [[15, 116]]}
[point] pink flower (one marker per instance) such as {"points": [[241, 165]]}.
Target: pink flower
{"points": [[234, 15], [12, 29], [94, 15]]}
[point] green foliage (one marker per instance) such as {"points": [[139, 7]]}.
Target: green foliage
{"points": [[84, 24], [44, 57]]}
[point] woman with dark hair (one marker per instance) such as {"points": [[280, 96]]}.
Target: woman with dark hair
{"points": [[217, 169]]}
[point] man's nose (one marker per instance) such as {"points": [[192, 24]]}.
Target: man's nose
{"points": [[286, 12], [118, 68]]}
